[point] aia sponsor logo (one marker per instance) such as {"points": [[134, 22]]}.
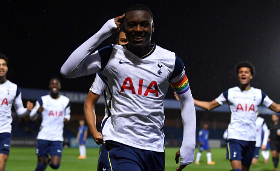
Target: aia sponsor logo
{"points": [[245, 108], [55, 113], [129, 86]]}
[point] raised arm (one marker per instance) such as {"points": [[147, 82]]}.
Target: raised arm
{"points": [[275, 107], [206, 105], [82, 61]]}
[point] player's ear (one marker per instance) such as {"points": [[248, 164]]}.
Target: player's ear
{"points": [[153, 27]]}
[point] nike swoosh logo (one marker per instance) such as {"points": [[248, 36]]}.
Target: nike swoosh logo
{"points": [[123, 62], [6, 145]]}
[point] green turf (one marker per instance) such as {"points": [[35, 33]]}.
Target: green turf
{"points": [[24, 159]]}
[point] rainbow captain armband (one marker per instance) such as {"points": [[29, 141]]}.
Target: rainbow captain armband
{"points": [[181, 86]]}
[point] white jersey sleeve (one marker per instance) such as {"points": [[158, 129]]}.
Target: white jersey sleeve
{"points": [[189, 127], [98, 86], [67, 111], [82, 62], [225, 135], [221, 99], [266, 100], [21, 111], [180, 84], [266, 134]]}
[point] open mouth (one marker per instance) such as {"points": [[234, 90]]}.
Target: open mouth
{"points": [[243, 78], [54, 89]]}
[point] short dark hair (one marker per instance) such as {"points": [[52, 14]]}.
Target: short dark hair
{"points": [[3, 56], [139, 7], [245, 64], [55, 78]]}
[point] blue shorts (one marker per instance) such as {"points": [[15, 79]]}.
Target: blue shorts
{"points": [[241, 150], [119, 157], [257, 152], [46, 147], [5, 143], [267, 146], [82, 142], [205, 146]]}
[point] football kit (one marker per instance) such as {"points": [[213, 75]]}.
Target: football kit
{"points": [[138, 86], [50, 135], [261, 129], [242, 128], [203, 139], [9, 95]]}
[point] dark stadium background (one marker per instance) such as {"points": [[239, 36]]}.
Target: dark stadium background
{"points": [[210, 36]]}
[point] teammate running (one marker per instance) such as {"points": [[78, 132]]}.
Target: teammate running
{"points": [[55, 110], [138, 77], [9, 95], [204, 145], [261, 129], [266, 152], [243, 101]]}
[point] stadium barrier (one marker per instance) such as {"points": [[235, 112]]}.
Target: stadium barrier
{"points": [[215, 143], [89, 143], [23, 142]]}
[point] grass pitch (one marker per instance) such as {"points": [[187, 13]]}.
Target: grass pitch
{"points": [[25, 159]]}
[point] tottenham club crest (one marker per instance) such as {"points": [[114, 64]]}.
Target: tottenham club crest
{"points": [[159, 65]]}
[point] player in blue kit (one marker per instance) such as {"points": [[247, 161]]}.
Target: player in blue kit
{"points": [[204, 145], [81, 139], [243, 101], [55, 111], [9, 95], [138, 77]]}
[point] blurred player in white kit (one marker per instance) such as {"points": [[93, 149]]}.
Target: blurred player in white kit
{"points": [[243, 101], [261, 129], [9, 95], [55, 111]]}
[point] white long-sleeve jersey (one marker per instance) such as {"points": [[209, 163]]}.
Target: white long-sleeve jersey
{"points": [[10, 95], [55, 110], [138, 87], [261, 128]]}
